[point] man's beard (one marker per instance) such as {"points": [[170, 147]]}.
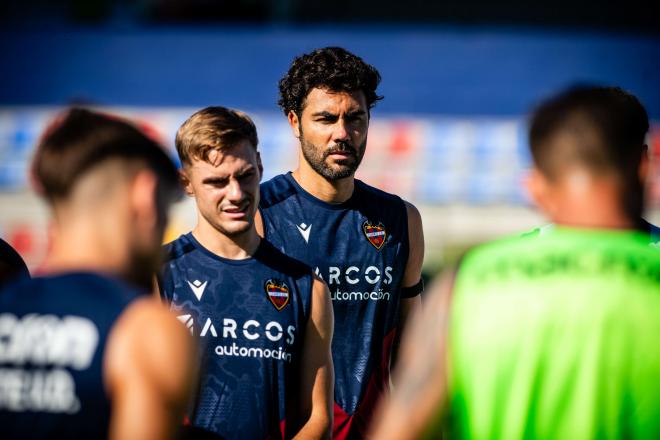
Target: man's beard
{"points": [[316, 158]]}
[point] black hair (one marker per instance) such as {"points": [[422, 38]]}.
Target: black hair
{"points": [[331, 68]]}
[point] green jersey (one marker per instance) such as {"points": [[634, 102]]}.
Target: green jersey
{"points": [[642, 226], [557, 336]]}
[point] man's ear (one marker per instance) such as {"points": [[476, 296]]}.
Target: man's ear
{"points": [[539, 188], [294, 122], [143, 199], [184, 179]]}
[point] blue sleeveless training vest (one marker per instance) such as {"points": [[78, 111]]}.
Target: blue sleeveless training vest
{"points": [[249, 318], [360, 248], [53, 334]]}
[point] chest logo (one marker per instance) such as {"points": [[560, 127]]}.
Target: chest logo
{"points": [[198, 288], [304, 230], [278, 293], [187, 320], [376, 234]]}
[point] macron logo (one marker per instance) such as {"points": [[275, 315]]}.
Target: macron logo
{"points": [[304, 231], [187, 320], [198, 288]]}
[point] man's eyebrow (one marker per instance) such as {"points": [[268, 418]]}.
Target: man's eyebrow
{"points": [[325, 114], [357, 113], [214, 179]]}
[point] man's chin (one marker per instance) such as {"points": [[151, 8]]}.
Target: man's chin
{"points": [[235, 229], [338, 173]]}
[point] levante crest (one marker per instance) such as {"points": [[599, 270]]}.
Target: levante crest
{"points": [[376, 234], [278, 293]]}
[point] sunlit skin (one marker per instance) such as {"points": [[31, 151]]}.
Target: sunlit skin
{"points": [[226, 191], [332, 130], [574, 198]]}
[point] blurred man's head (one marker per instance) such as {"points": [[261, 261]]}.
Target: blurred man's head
{"points": [[89, 165], [327, 96], [589, 143], [221, 168]]}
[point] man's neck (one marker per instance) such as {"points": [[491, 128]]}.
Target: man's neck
{"points": [[598, 208], [236, 247], [336, 191], [78, 246]]}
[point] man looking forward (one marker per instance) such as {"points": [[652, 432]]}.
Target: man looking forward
{"points": [[262, 320], [366, 244]]}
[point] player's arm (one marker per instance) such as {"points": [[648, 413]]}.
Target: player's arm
{"points": [[317, 373], [420, 391], [411, 284], [148, 368]]}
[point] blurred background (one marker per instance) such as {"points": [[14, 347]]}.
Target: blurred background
{"points": [[459, 79]]}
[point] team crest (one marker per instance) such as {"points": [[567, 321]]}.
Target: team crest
{"points": [[278, 293], [376, 234]]}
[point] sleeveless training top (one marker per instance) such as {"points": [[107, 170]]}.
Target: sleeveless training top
{"points": [[360, 249], [53, 334], [652, 230], [249, 318], [556, 337]]}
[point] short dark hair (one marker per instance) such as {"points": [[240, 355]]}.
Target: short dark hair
{"points": [[604, 131], [608, 126], [331, 68], [213, 128], [80, 140]]}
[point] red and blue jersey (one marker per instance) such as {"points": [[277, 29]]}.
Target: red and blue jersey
{"points": [[248, 317], [360, 248], [53, 334]]}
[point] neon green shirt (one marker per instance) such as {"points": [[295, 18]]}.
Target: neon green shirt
{"points": [[557, 336]]}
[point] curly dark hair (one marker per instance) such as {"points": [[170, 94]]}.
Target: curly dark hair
{"points": [[332, 68]]}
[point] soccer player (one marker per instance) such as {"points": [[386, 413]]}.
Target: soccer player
{"points": [[366, 244], [263, 321], [551, 336], [82, 347], [631, 109]]}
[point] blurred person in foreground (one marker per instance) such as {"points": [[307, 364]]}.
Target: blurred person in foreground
{"points": [[368, 245], [12, 265], [551, 336], [263, 321], [82, 347], [630, 109]]}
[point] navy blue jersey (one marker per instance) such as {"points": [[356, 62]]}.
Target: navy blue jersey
{"points": [[360, 249], [249, 317], [53, 334], [653, 230], [12, 265]]}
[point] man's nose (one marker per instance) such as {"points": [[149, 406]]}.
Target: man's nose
{"points": [[340, 131], [234, 190]]}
